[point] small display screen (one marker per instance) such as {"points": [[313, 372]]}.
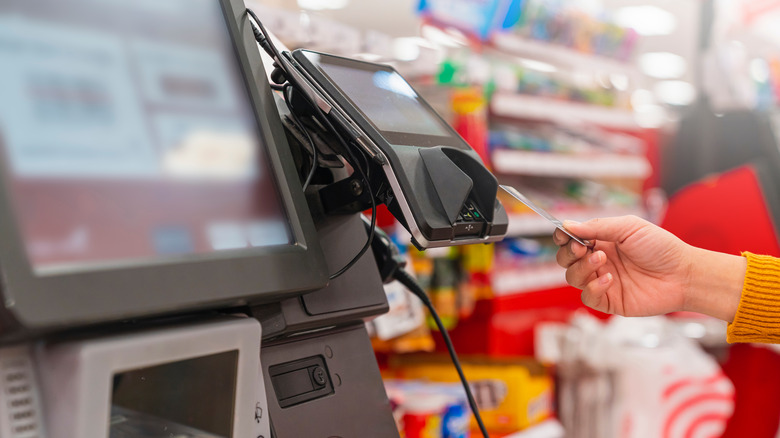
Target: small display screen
{"points": [[127, 134], [383, 95], [191, 398]]}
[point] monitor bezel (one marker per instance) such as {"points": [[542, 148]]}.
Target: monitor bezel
{"points": [[182, 284]]}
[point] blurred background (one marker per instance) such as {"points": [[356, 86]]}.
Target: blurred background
{"points": [[662, 109]]}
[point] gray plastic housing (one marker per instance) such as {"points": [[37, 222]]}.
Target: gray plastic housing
{"points": [[356, 294], [76, 376], [358, 406], [21, 415]]}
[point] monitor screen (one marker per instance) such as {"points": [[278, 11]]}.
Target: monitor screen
{"points": [[382, 95], [127, 135], [190, 398]]}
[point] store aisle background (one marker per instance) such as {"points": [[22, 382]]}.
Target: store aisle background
{"points": [[593, 108]]}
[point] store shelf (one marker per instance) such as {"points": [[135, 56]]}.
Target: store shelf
{"points": [[531, 224], [569, 165], [539, 108], [514, 281], [561, 56]]}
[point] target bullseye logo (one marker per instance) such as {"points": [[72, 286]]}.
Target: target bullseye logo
{"points": [[697, 408]]}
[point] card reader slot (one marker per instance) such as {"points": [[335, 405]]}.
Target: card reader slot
{"points": [[470, 213], [458, 183], [485, 185], [471, 222]]}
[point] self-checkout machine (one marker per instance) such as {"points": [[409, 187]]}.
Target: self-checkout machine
{"points": [[155, 233], [148, 198], [408, 159]]}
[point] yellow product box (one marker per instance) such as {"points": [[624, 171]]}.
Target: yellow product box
{"points": [[512, 393], [478, 258]]}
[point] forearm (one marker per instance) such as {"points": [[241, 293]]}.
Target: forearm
{"points": [[715, 283]]}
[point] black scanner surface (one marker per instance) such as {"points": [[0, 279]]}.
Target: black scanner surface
{"points": [[452, 185]]}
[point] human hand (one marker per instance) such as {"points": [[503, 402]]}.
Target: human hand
{"points": [[639, 269]]}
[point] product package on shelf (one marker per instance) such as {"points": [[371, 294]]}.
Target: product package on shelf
{"points": [[501, 77], [525, 264], [512, 394], [576, 139], [478, 18], [455, 278], [402, 328], [560, 151], [424, 409], [569, 25]]}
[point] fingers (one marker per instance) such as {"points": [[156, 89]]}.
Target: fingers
{"points": [[594, 295], [582, 272], [610, 229], [570, 253], [560, 238]]}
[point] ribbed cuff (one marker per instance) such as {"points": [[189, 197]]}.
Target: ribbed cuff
{"points": [[758, 315]]}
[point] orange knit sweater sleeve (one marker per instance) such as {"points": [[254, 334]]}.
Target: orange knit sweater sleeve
{"points": [[758, 315]]}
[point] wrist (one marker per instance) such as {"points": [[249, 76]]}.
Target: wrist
{"points": [[714, 284]]}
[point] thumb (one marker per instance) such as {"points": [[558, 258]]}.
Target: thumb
{"points": [[609, 229]]}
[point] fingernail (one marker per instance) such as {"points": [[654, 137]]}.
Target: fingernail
{"points": [[566, 223], [606, 278], [595, 258]]}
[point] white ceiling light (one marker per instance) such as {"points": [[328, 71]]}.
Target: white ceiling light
{"points": [[538, 65], [619, 81], [647, 112], [662, 65], [646, 20], [642, 97], [675, 92], [649, 116], [319, 5], [406, 49], [370, 57], [438, 36]]}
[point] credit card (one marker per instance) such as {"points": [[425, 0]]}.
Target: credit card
{"points": [[543, 213]]}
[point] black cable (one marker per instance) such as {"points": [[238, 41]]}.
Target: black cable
{"points": [[264, 39], [356, 165], [297, 121], [407, 280], [373, 212]]}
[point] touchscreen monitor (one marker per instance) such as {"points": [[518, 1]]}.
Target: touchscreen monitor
{"points": [[128, 136], [387, 101], [141, 134]]}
